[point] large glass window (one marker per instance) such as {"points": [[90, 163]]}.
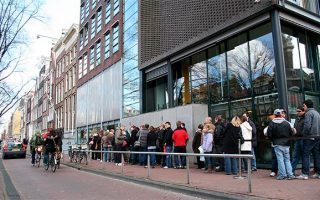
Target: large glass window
{"points": [[115, 35], [156, 94], [86, 33], [198, 72], [181, 85], [217, 74], [238, 67], [300, 74], [311, 5], [262, 60]]}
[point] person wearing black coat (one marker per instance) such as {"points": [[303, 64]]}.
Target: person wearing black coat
{"points": [[168, 143], [196, 143], [230, 145], [134, 158]]}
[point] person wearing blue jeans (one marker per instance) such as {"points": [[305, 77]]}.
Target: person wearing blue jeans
{"points": [[311, 129], [153, 161], [231, 166], [279, 131], [283, 158], [168, 157]]}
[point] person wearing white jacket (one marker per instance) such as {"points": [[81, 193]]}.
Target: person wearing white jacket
{"points": [[246, 130]]}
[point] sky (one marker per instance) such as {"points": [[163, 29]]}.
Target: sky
{"points": [[57, 15]]}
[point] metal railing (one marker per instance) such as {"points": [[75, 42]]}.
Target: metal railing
{"points": [[249, 157]]}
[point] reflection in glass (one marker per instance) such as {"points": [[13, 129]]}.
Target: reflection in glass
{"points": [[238, 67], [181, 85], [198, 71], [157, 94], [238, 107], [217, 74], [262, 60]]}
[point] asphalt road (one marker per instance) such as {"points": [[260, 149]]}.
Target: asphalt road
{"points": [[67, 183]]}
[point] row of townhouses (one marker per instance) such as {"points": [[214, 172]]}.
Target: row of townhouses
{"points": [[132, 62]]}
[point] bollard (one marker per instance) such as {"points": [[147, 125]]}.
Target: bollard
{"points": [[249, 175], [122, 163], [188, 170], [149, 166], [240, 167]]}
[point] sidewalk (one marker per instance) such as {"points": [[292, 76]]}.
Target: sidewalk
{"points": [[217, 183]]}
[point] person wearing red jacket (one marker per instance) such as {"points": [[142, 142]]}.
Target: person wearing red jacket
{"points": [[180, 138]]}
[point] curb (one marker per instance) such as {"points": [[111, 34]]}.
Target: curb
{"points": [[191, 191]]}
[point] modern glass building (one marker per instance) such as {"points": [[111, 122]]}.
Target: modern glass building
{"points": [[237, 56]]}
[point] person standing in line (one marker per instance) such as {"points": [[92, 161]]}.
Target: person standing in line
{"points": [[279, 131], [230, 145], [105, 145], [311, 128], [246, 131], [207, 146], [196, 143], [254, 141], [151, 145], [218, 140], [143, 133], [110, 144], [180, 138], [298, 143], [168, 144]]}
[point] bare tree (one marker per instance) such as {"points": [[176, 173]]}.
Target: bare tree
{"points": [[14, 15]]}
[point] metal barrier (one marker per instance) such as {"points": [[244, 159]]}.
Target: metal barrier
{"points": [[239, 156]]}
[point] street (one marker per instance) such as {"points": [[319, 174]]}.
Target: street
{"points": [[68, 183]]}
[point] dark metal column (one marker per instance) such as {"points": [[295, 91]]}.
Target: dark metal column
{"points": [[142, 91], [170, 85], [279, 60]]}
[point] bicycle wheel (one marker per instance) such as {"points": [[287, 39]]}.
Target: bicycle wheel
{"points": [[38, 160], [46, 165], [85, 158], [53, 163]]}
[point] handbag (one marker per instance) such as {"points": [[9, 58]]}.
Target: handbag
{"points": [[137, 143]]}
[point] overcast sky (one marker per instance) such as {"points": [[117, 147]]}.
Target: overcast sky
{"points": [[58, 15]]}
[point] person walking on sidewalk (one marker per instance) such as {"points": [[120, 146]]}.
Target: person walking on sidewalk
{"points": [[279, 131], [311, 128]]}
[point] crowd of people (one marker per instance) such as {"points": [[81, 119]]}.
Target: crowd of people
{"points": [[218, 137], [49, 142]]}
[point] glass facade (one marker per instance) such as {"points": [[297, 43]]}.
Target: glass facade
{"points": [[301, 66], [104, 102], [131, 76]]}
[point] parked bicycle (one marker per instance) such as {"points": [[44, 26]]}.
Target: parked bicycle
{"points": [[78, 155]]}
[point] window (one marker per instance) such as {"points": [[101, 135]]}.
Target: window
{"points": [[81, 39], [99, 13], [93, 26], [98, 52], [107, 45], [85, 64], [86, 33], [108, 11], [91, 57], [87, 8], [94, 3], [115, 7], [115, 38], [82, 13]]}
